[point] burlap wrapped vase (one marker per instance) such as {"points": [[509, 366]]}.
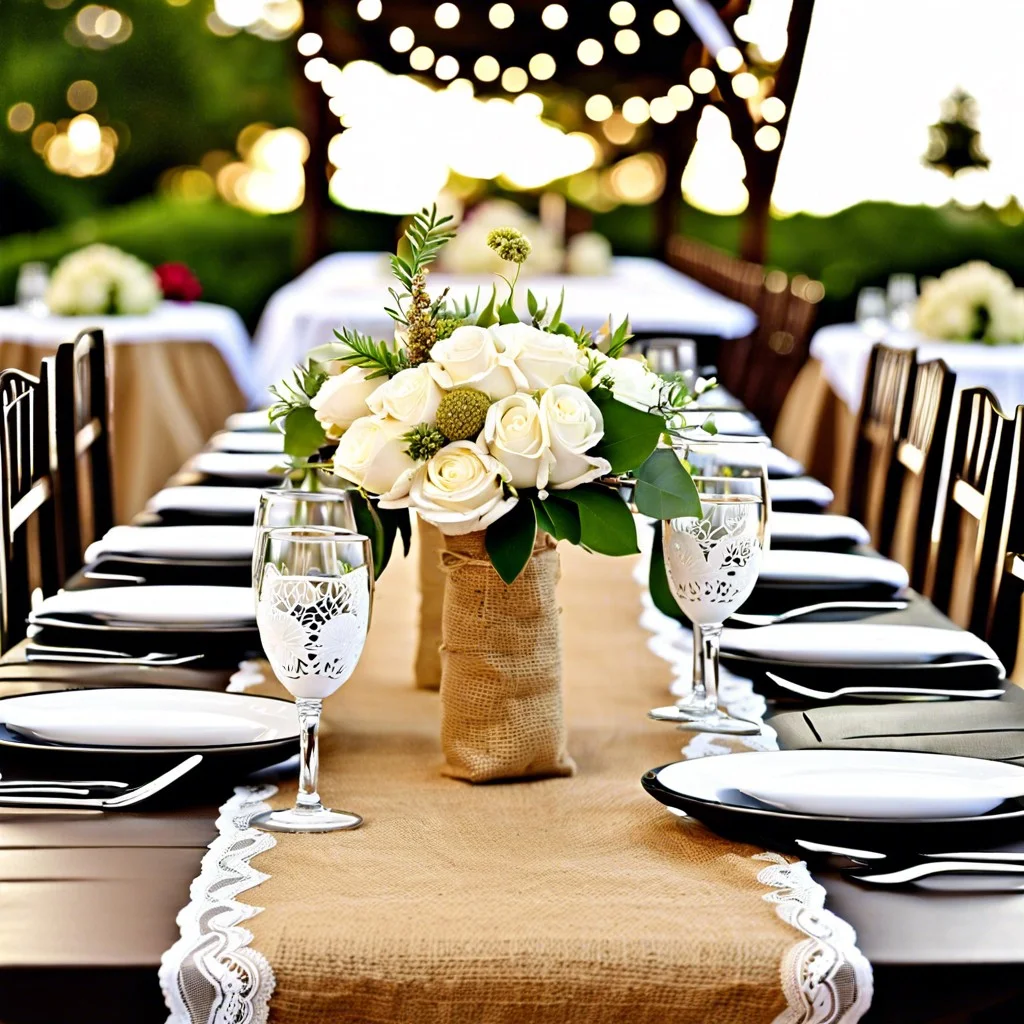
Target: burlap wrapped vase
{"points": [[501, 666], [430, 544]]}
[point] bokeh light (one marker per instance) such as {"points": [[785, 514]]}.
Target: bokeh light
{"points": [[702, 80], [21, 117], [618, 130], [681, 97], [82, 95], [638, 179], [542, 66], [486, 68], [667, 22], [446, 16], [270, 177], [590, 52], [773, 109], [598, 107], [627, 41], [713, 179], [98, 27], [767, 137], [447, 67], [421, 58], [729, 59], [745, 85], [622, 13], [529, 103], [369, 10], [514, 79], [268, 19], [663, 110], [402, 39], [554, 16], [80, 148], [309, 43], [636, 110], [501, 16]]}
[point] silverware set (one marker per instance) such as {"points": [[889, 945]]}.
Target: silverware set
{"points": [[744, 619], [876, 868], [95, 655], [891, 693], [88, 794]]}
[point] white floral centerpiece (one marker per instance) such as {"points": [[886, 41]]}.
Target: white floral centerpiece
{"points": [[102, 279], [507, 436], [973, 302]]}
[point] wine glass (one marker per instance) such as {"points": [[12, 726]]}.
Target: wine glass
{"points": [[713, 561], [30, 290], [313, 613], [286, 507], [901, 296], [872, 312]]}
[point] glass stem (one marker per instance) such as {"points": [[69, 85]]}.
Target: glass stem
{"points": [[711, 639], [308, 798], [697, 692]]}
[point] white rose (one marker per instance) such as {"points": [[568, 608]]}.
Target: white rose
{"points": [[372, 454], [137, 292], [515, 435], [411, 396], [632, 383], [341, 400], [573, 424], [470, 358], [459, 490], [544, 359], [589, 253]]}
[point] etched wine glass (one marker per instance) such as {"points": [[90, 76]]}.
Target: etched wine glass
{"points": [[313, 613], [712, 563], [279, 506]]}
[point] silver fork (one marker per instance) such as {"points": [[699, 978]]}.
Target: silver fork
{"points": [[811, 609], [125, 799], [37, 652], [904, 876], [888, 692]]}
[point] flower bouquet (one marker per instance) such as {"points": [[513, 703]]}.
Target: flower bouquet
{"points": [[102, 279], [973, 302], [508, 435]]}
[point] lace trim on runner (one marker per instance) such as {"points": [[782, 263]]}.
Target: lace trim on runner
{"points": [[826, 979], [211, 975]]}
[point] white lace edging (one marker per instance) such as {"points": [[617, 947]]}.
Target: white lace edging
{"points": [[211, 975], [826, 979]]}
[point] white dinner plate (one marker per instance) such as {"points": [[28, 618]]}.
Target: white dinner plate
{"points": [[254, 419], [248, 441], [812, 526], [800, 488], [236, 465], [854, 643], [143, 717], [190, 542], [226, 500], [876, 784], [179, 607], [826, 567]]}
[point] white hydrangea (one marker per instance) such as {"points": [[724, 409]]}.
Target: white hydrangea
{"points": [[973, 302], [102, 279]]}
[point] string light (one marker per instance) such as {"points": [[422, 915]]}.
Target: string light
{"points": [[702, 80], [315, 69], [554, 16], [501, 15], [627, 41], [681, 97], [309, 43], [618, 130], [402, 38], [663, 110], [446, 68], [514, 79], [20, 117], [729, 59], [82, 95], [598, 108], [767, 137], [745, 85], [421, 59], [486, 69], [667, 23], [446, 16], [622, 13], [590, 52], [773, 109], [542, 66], [368, 10], [636, 110], [530, 103]]}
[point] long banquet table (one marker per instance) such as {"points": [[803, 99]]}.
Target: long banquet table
{"points": [[564, 900]]}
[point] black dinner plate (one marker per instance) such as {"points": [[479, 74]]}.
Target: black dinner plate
{"points": [[182, 571], [771, 596], [746, 820], [24, 757]]}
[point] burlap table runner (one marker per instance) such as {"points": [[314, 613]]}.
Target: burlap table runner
{"points": [[564, 901]]}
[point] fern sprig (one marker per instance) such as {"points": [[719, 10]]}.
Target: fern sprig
{"points": [[426, 234], [297, 392], [384, 359]]}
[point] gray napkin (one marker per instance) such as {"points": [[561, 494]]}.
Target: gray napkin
{"points": [[990, 729]]}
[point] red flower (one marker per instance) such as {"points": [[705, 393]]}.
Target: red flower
{"points": [[178, 282]]}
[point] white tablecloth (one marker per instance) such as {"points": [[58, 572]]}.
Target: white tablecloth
{"points": [[843, 350], [170, 321], [350, 289]]}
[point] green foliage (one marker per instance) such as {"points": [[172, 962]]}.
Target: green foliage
{"points": [[384, 358], [302, 433], [664, 490], [292, 399], [424, 442], [487, 315], [559, 518], [426, 234], [606, 524], [506, 311], [382, 526], [509, 540], [629, 434], [657, 581], [619, 336]]}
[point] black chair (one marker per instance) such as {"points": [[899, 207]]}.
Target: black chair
{"points": [[82, 445], [970, 550], [911, 495], [884, 416], [27, 499]]}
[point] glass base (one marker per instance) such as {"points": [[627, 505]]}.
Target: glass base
{"points": [[296, 819], [715, 721]]}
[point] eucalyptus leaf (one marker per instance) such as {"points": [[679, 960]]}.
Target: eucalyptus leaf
{"points": [[510, 539], [629, 434], [664, 489], [606, 524], [303, 434]]}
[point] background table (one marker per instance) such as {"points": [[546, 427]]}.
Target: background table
{"points": [[350, 289], [176, 374], [818, 420]]}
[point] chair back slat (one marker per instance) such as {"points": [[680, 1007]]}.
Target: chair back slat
{"points": [[26, 498], [966, 557], [883, 421], [911, 495], [81, 413]]}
